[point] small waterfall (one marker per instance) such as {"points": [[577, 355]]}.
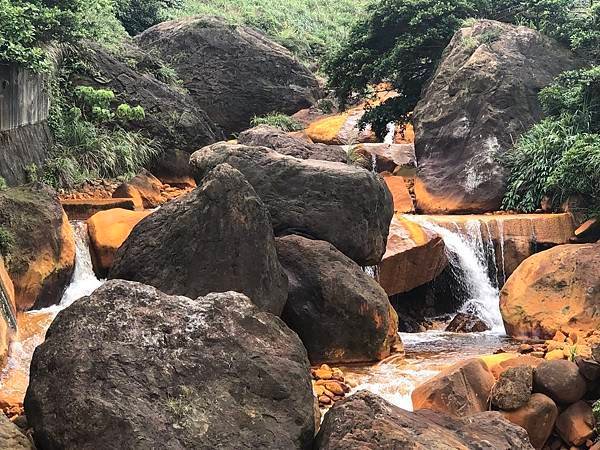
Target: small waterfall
{"points": [[469, 262], [391, 133], [500, 225]]}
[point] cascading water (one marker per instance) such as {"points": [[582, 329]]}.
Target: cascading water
{"points": [[469, 260], [32, 325], [391, 133]]}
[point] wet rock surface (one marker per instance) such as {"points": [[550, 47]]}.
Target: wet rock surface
{"points": [[217, 238], [347, 206], [340, 312], [144, 369], [466, 323]]}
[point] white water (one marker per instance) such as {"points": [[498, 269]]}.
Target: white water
{"points": [[468, 258], [391, 133]]}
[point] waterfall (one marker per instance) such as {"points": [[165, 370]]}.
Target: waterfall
{"points": [[500, 225], [470, 263], [391, 133]]}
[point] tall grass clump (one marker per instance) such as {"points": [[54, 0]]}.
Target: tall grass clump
{"points": [[280, 121]]}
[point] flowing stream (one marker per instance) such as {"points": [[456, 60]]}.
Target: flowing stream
{"points": [[32, 325]]}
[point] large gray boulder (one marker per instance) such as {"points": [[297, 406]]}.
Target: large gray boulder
{"points": [[482, 97], [215, 239], [366, 421], [286, 144], [340, 312], [130, 367], [233, 72], [347, 206]]}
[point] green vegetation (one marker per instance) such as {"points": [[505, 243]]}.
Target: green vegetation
{"points": [[138, 15], [309, 28], [7, 241], [560, 156], [400, 42], [281, 121]]}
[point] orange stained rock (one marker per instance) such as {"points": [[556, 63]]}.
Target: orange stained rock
{"points": [[402, 200], [327, 129], [107, 231], [7, 313]]}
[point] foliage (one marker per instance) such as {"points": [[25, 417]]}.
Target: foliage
{"points": [[3, 184], [138, 15], [7, 241], [281, 121], [309, 28], [401, 42], [596, 413]]}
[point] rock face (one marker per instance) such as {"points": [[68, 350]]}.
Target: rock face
{"points": [[340, 313], [286, 144], [553, 290], [366, 421], [8, 313], [107, 231], [414, 256], [537, 416], [20, 148], [481, 98], [344, 205], [217, 238], [42, 252], [403, 202], [513, 388], [148, 370], [172, 118], [144, 189], [560, 380], [233, 72], [461, 390], [393, 158], [11, 437]]}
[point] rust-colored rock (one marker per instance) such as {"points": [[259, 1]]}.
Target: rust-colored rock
{"points": [[402, 200], [340, 129], [393, 158], [107, 231], [537, 416], [553, 290], [576, 423], [145, 190], [8, 322], [589, 231], [414, 256], [466, 323], [460, 390], [84, 208]]}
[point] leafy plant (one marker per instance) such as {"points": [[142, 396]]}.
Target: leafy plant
{"points": [[281, 121], [138, 15], [3, 184], [7, 241]]}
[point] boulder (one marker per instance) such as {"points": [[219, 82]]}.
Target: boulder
{"points": [[513, 388], [366, 421], [560, 380], [589, 368], [84, 208], [588, 232], [233, 72], [403, 202], [145, 190], [575, 425], [460, 390], [414, 256], [393, 158], [173, 168], [173, 118], [340, 312], [517, 361], [216, 238], [557, 289], [11, 438], [537, 416], [41, 247], [147, 370], [466, 323], [347, 206], [8, 313], [107, 231], [287, 144], [483, 95]]}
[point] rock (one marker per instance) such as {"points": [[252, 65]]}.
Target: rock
{"points": [[460, 390], [42, 255], [11, 437], [553, 290], [340, 313], [340, 129], [537, 416], [8, 314], [466, 323], [480, 99], [366, 421], [513, 388], [575, 424], [414, 256], [144, 188], [172, 118], [559, 380], [173, 168], [393, 158], [149, 370], [233, 72], [589, 231], [83, 209], [217, 238], [286, 144], [347, 206], [554, 355], [107, 231], [403, 202], [589, 368]]}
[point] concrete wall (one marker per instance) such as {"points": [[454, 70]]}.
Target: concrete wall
{"points": [[23, 98]]}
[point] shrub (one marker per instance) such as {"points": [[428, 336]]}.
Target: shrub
{"points": [[281, 121], [138, 15], [7, 241], [3, 184]]}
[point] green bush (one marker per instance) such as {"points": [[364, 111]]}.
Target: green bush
{"points": [[281, 121], [7, 241], [138, 15]]}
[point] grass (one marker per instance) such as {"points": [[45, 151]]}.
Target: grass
{"points": [[309, 28], [281, 121]]}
